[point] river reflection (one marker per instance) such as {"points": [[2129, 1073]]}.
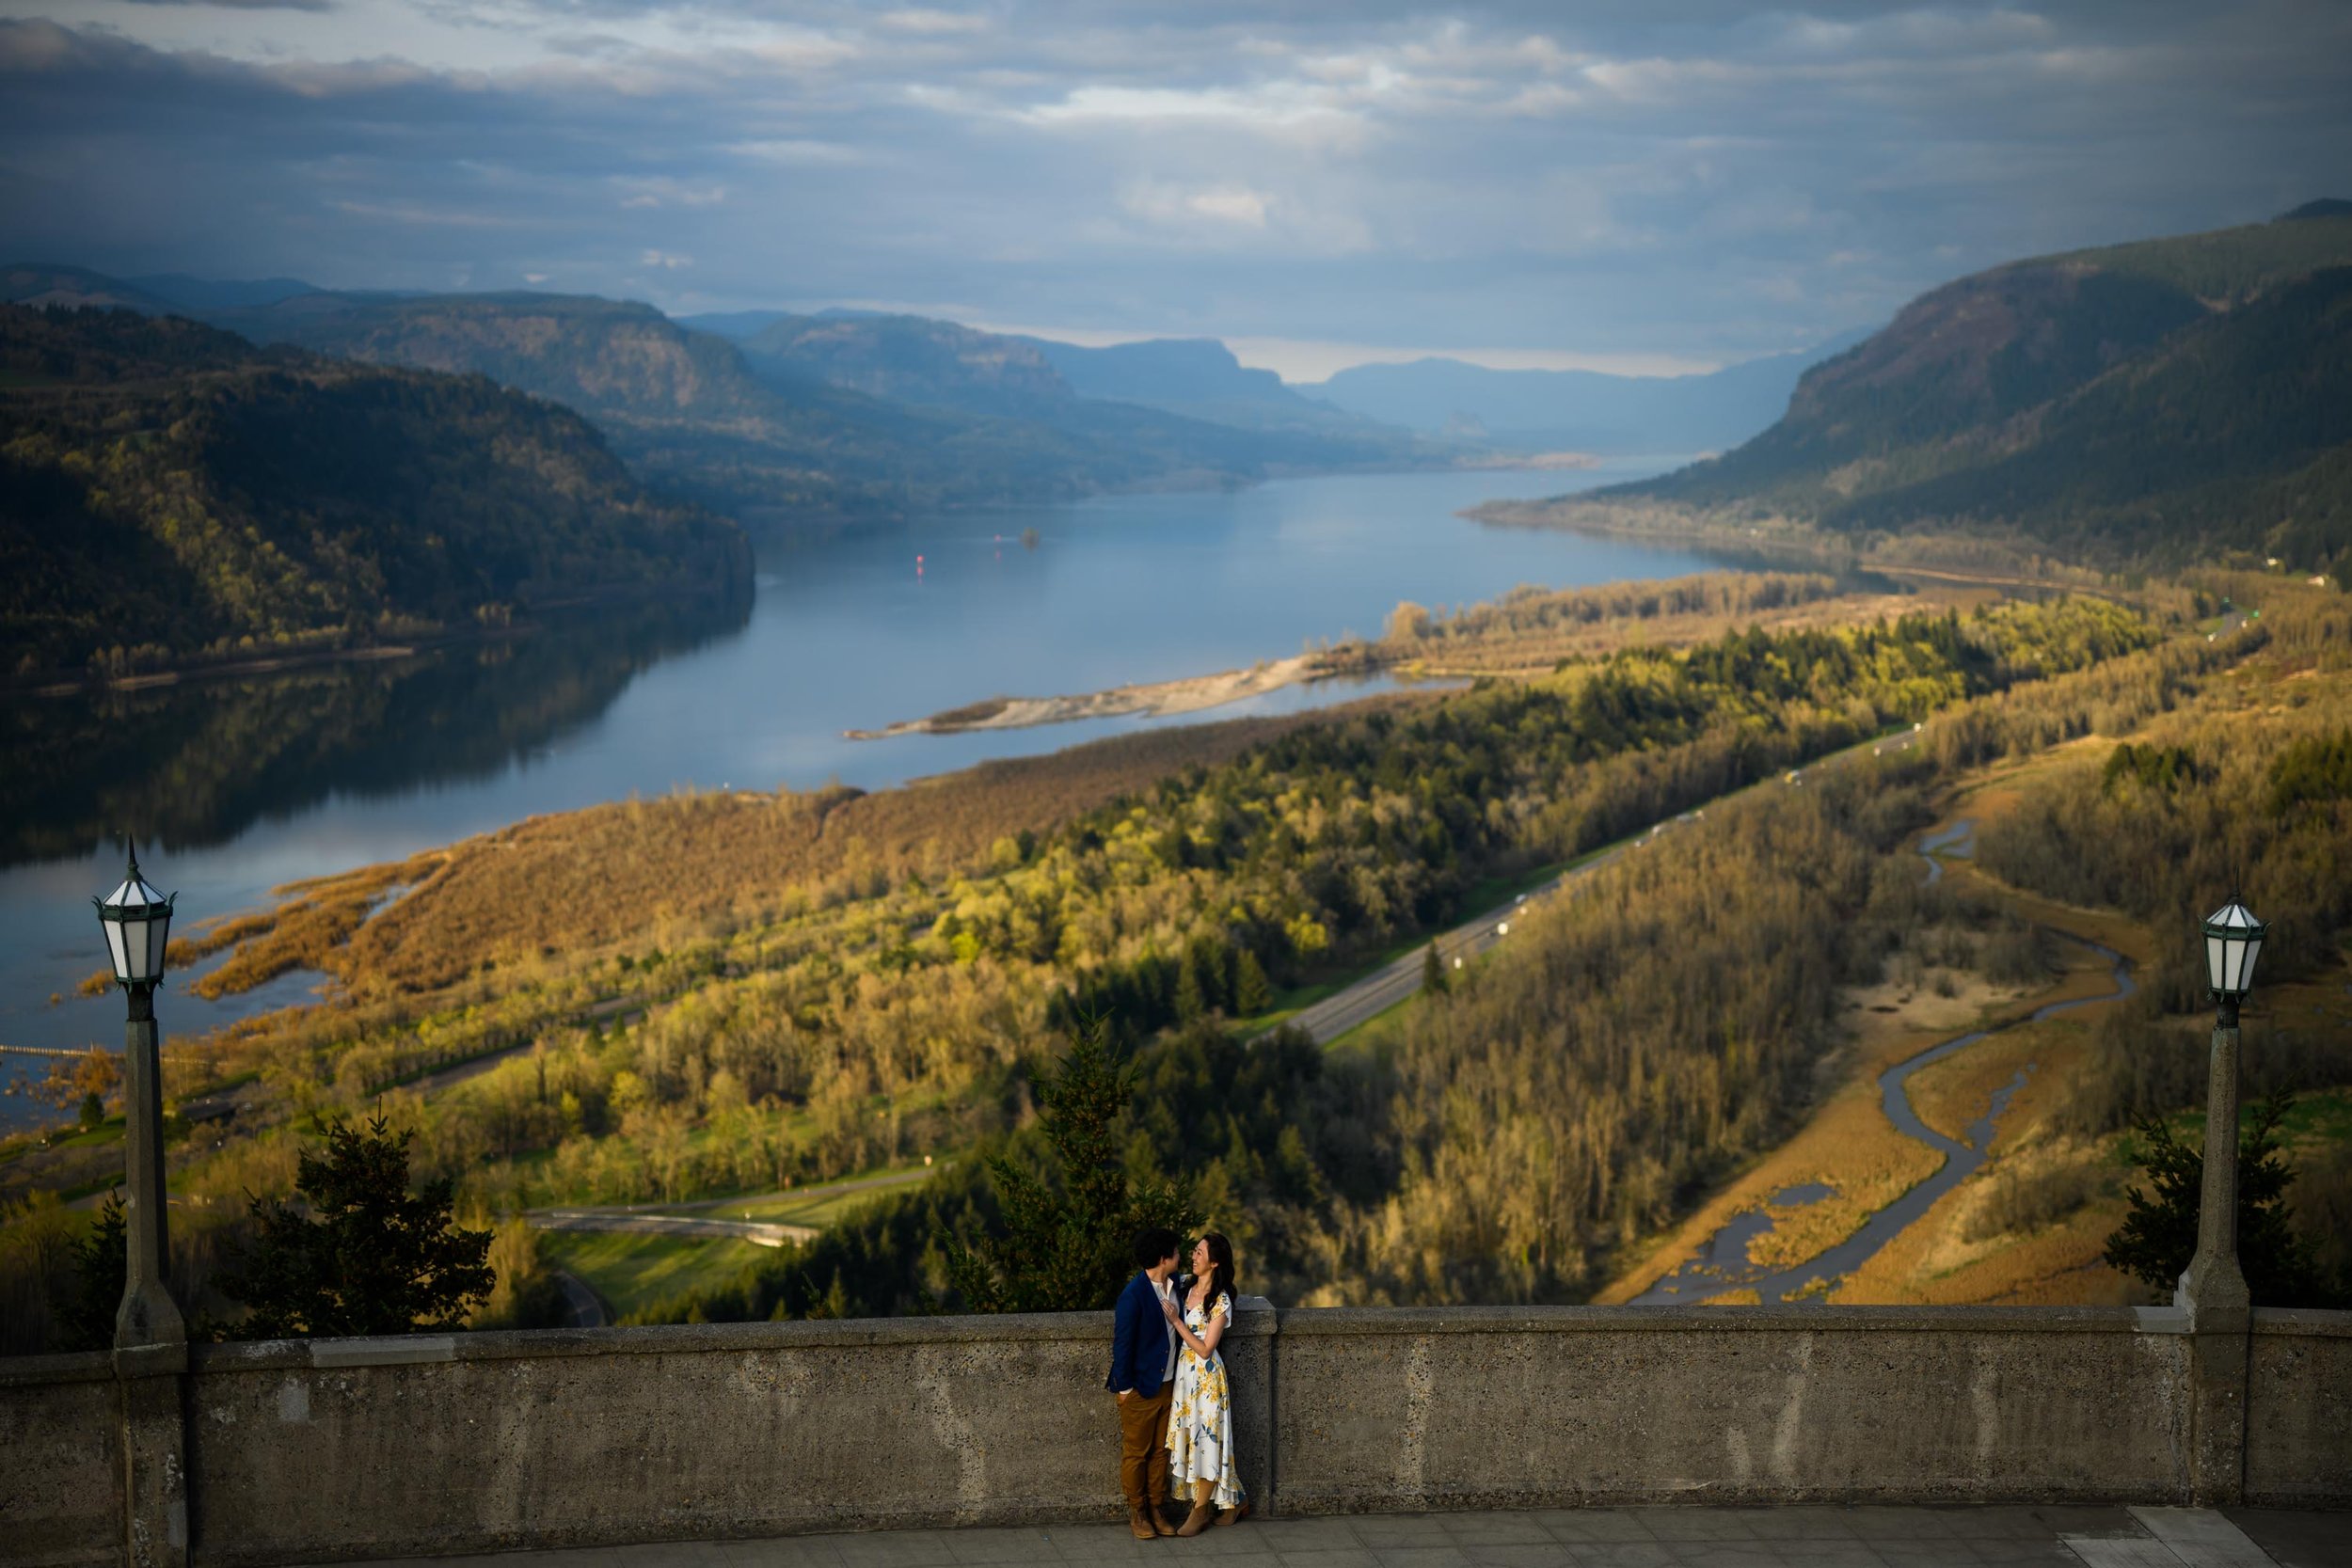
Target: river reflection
{"points": [[196, 763]]}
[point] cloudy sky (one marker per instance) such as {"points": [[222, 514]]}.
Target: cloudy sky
{"points": [[1634, 184]]}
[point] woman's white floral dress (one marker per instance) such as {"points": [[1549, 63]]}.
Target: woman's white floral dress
{"points": [[1200, 1421]]}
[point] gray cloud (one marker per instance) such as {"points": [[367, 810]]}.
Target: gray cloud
{"points": [[247, 4], [1699, 181]]}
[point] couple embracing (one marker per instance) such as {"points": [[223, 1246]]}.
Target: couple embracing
{"points": [[1175, 1411]]}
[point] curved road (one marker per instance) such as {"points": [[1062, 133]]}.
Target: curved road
{"points": [[697, 1218]]}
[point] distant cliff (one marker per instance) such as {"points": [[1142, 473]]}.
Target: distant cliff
{"points": [[2155, 400], [836, 414], [168, 493]]}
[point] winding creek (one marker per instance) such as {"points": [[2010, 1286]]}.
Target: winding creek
{"points": [[1723, 1263]]}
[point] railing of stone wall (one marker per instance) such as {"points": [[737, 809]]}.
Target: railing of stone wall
{"points": [[305, 1451]]}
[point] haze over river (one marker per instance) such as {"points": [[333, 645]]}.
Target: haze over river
{"points": [[236, 786]]}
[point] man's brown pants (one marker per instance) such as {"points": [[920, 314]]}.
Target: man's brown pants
{"points": [[1143, 1449]]}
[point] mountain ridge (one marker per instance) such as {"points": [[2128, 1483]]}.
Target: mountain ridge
{"points": [[2058, 396], [793, 423]]}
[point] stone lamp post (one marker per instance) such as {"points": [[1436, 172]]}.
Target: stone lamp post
{"points": [[2213, 1286], [151, 1338], [137, 921]]}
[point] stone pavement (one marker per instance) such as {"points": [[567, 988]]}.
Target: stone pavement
{"points": [[1692, 1537]]}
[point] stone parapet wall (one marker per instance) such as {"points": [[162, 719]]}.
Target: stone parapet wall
{"points": [[2298, 1410], [60, 1474], [579, 1437], [1495, 1407], [307, 1451]]}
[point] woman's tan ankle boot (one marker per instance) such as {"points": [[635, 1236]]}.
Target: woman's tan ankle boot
{"points": [[1198, 1520]]}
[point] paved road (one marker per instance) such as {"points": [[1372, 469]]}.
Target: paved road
{"points": [[622, 1008], [701, 1217], [757, 1232], [1385, 987], [804, 1195]]}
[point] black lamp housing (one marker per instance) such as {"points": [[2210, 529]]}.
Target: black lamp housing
{"points": [[137, 921], [2234, 941]]}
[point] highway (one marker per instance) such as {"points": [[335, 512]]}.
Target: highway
{"points": [[757, 1232], [1385, 987]]}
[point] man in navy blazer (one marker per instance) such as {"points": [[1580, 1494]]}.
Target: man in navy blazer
{"points": [[1143, 1375]]}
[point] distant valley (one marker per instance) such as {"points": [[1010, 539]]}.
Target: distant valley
{"points": [[1576, 410], [853, 413]]}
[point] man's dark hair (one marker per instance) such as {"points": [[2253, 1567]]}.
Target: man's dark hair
{"points": [[1154, 1244]]}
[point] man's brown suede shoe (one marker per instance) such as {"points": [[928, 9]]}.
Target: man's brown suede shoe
{"points": [[1141, 1524], [1157, 1513]]}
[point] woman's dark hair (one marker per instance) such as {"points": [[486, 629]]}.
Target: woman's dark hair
{"points": [[1220, 1269], [1154, 1244]]}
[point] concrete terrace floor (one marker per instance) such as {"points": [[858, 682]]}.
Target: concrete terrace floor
{"points": [[1799, 1537]]}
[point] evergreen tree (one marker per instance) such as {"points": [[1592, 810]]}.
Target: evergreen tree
{"points": [[1065, 1246], [2158, 1236], [1191, 999], [82, 1306], [1432, 970], [1253, 995], [376, 1259]]}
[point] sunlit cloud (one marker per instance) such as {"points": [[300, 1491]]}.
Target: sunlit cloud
{"points": [[1237, 205], [920, 20]]}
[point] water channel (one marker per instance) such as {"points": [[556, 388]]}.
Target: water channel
{"points": [[1723, 1263], [239, 785]]}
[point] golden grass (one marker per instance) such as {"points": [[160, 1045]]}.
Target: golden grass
{"points": [[1932, 1263], [1848, 1146]]}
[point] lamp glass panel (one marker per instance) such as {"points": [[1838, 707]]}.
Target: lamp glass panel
{"points": [[2253, 950], [2213, 961], [2234, 966], [135, 944], [158, 939], [115, 948]]}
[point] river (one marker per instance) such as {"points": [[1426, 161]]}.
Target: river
{"points": [[237, 786]]}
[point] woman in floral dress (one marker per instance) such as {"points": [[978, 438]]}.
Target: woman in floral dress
{"points": [[1200, 1421]]}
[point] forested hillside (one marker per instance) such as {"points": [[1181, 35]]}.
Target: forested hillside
{"points": [[2151, 402], [911, 360], [872, 992], [848, 415], [173, 493]]}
